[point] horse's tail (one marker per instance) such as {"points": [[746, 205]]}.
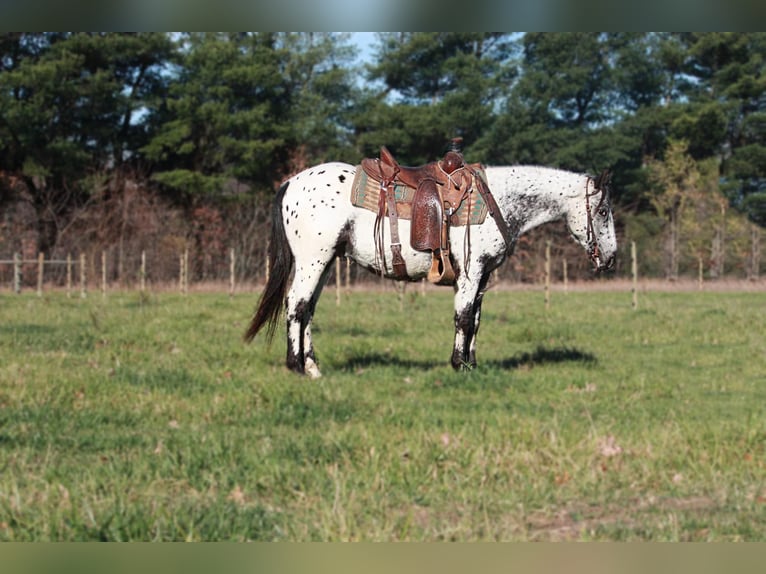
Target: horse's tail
{"points": [[281, 260]]}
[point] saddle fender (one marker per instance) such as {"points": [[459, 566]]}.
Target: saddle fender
{"points": [[427, 217]]}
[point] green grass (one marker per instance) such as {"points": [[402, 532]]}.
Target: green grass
{"points": [[149, 419]]}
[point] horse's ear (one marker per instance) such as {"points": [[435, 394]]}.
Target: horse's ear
{"points": [[604, 181]]}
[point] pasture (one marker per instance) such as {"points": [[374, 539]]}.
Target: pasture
{"points": [[146, 418]]}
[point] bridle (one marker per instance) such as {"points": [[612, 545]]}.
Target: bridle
{"points": [[599, 186]]}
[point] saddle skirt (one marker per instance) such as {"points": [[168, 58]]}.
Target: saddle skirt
{"points": [[467, 208]]}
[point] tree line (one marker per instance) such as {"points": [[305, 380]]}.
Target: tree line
{"points": [[177, 141]]}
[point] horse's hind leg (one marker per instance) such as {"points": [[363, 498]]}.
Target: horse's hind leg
{"points": [[468, 298], [301, 303]]}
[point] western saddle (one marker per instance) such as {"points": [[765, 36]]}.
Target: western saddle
{"points": [[441, 187]]}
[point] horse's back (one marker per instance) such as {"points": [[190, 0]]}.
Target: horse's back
{"points": [[328, 170]]}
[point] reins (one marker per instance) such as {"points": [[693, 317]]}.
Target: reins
{"points": [[590, 234]]}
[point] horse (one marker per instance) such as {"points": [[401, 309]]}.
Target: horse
{"points": [[313, 221]]}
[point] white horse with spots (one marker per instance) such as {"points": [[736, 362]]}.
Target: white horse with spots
{"points": [[313, 221]]}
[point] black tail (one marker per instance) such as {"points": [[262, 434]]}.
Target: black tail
{"points": [[281, 259]]}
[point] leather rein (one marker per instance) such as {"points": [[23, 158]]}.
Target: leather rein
{"points": [[590, 234]]}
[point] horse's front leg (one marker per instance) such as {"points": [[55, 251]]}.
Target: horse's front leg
{"points": [[469, 293]]}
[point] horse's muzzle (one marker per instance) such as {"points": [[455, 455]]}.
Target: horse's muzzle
{"points": [[602, 266]]}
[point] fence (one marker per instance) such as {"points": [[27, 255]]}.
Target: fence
{"points": [[82, 263], [77, 269]]}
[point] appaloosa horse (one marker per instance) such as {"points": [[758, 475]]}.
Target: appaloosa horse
{"points": [[314, 220]]}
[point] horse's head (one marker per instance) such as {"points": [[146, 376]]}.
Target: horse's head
{"points": [[591, 221]]}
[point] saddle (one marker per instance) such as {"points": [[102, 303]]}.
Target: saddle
{"points": [[440, 189]]}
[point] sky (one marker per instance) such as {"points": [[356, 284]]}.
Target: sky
{"points": [[364, 41]]}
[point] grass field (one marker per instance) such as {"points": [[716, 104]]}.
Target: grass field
{"points": [[147, 418]]}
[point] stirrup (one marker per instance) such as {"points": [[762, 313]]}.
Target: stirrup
{"points": [[441, 272]]}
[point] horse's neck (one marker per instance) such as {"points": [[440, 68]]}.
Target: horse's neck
{"points": [[531, 196]]}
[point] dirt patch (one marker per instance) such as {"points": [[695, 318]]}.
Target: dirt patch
{"points": [[571, 522]]}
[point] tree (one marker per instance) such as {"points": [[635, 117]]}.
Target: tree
{"points": [[738, 76], [672, 178], [565, 104], [436, 86], [321, 96], [248, 108], [69, 103], [725, 115]]}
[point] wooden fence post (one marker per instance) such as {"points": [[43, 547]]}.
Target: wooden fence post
{"points": [[634, 273], [17, 273], [69, 275], [348, 276], [83, 277], [181, 273], [755, 252], [186, 271], [40, 265], [142, 273], [268, 262], [103, 274], [232, 266], [566, 278], [547, 275]]}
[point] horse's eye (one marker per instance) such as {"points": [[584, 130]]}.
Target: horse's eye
{"points": [[603, 212]]}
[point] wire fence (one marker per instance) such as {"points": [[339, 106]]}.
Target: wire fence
{"points": [[246, 268]]}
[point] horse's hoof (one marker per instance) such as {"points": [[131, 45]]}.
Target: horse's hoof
{"points": [[464, 367], [312, 370]]}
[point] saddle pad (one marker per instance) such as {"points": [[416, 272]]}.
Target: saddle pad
{"points": [[365, 193]]}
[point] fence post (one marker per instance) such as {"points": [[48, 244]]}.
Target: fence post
{"points": [[755, 252], [337, 281], [83, 277], [17, 273], [566, 278], [634, 273], [69, 275], [142, 278], [268, 261], [547, 275], [40, 264], [103, 274], [232, 265], [186, 271], [348, 276], [181, 273]]}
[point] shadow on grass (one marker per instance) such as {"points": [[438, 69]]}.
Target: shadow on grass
{"points": [[542, 356], [539, 356], [368, 360]]}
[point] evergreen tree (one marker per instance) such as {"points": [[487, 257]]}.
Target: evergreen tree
{"points": [[69, 103], [248, 108], [436, 86]]}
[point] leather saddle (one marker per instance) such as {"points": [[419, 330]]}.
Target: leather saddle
{"points": [[440, 188]]}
